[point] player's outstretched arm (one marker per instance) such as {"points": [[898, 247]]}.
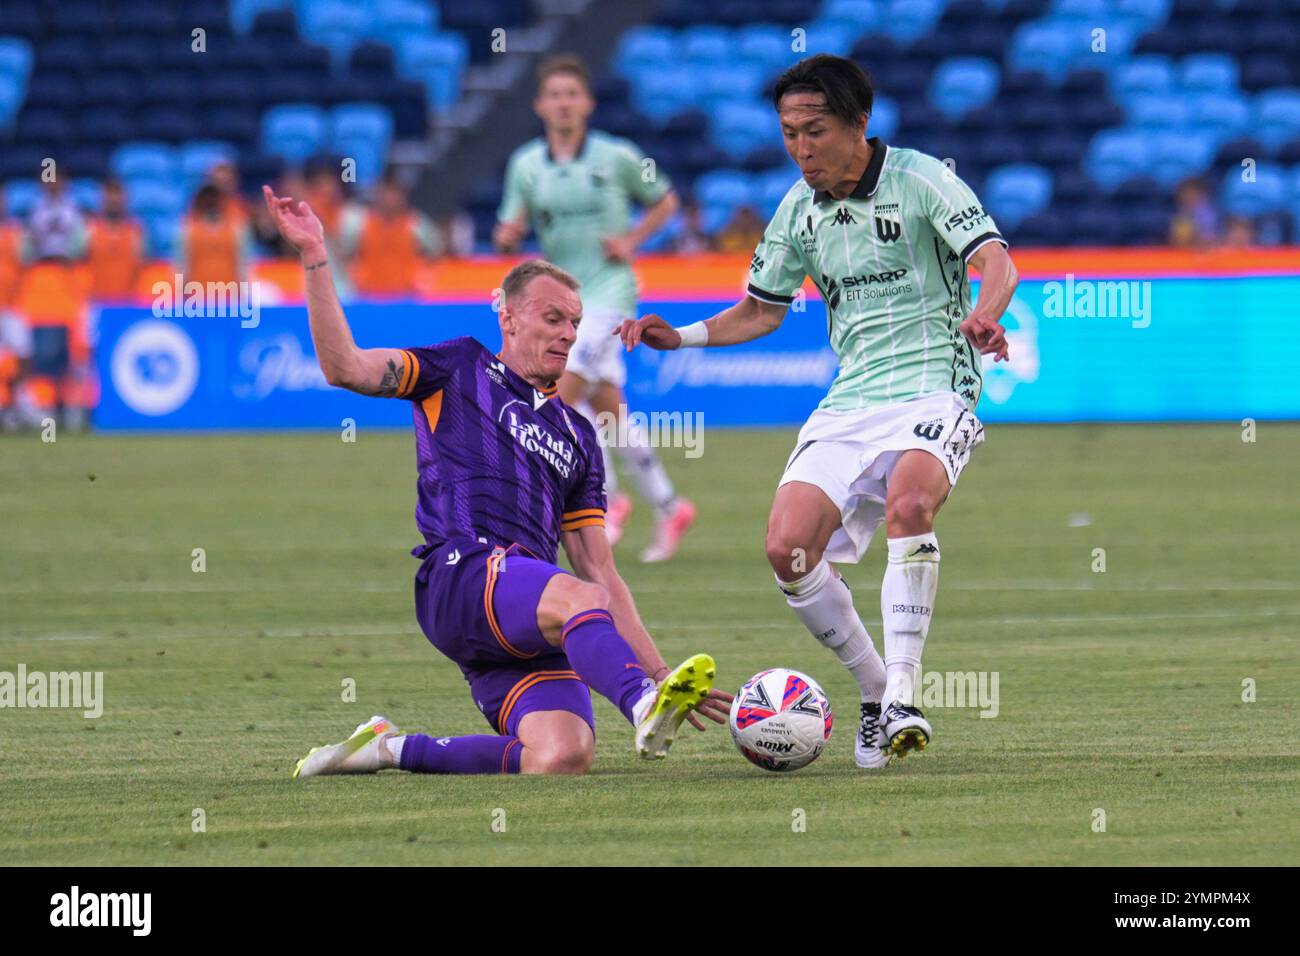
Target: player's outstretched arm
{"points": [[998, 281], [367, 371], [748, 319], [593, 560]]}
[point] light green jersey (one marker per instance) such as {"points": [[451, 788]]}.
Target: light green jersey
{"points": [[573, 205], [890, 261]]}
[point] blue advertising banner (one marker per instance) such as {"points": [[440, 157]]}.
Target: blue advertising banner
{"points": [[1153, 350]]}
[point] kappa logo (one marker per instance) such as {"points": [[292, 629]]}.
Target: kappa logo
{"points": [[922, 549], [930, 430], [844, 217]]}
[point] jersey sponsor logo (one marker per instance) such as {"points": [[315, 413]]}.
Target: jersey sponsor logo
{"points": [[537, 440], [874, 278], [889, 222], [756, 264], [876, 285], [967, 219], [843, 217], [930, 430]]}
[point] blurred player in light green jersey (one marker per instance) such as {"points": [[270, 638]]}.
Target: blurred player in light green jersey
{"points": [[575, 186], [886, 234]]}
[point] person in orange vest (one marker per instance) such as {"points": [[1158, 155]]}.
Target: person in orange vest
{"points": [[214, 240], [11, 254], [116, 248], [386, 242]]}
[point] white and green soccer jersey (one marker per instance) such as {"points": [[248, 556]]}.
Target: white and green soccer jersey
{"points": [[890, 261], [573, 205]]}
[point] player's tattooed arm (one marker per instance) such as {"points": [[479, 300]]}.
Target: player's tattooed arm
{"points": [[378, 372]]}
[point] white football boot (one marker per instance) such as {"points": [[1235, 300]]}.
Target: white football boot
{"points": [[660, 711], [866, 748], [904, 729], [363, 752]]}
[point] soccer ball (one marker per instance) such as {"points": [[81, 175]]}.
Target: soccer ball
{"points": [[781, 720]]}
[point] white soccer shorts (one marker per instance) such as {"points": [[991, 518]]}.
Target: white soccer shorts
{"points": [[850, 455], [597, 355]]}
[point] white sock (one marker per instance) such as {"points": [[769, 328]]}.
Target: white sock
{"points": [[394, 745], [647, 471], [906, 604], [822, 600]]}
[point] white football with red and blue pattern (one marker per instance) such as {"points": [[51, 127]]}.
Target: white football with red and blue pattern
{"points": [[781, 720]]}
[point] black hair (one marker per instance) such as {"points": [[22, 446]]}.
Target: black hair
{"points": [[846, 86]]}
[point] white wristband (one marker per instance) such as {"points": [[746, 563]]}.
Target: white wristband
{"points": [[694, 335]]}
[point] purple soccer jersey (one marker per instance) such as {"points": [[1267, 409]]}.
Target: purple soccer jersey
{"points": [[499, 461]]}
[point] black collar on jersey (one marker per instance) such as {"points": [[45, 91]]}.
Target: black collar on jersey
{"points": [[578, 153], [866, 187]]}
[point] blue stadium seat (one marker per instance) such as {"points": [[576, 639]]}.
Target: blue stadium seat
{"points": [[1270, 191], [739, 128], [726, 81], [1277, 116], [197, 157], [908, 20], [12, 92], [293, 131], [15, 57], [438, 61], [21, 196], [832, 36], [725, 188], [767, 45], [1014, 192], [1208, 73], [661, 94], [1177, 154], [155, 161], [867, 15], [392, 20], [1147, 74], [963, 83], [1158, 112], [704, 44], [1047, 46], [643, 47], [1150, 13], [147, 197], [88, 194], [884, 117], [1115, 155], [355, 120], [771, 187], [244, 12], [1219, 116], [1079, 9]]}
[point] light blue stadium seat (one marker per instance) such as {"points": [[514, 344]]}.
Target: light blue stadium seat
{"points": [[13, 90], [1177, 154], [866, 14], [140, 160], [15, 56], [293, 131], [765, 44], [713, 218], [1269, 192], [727, 188], [1150, 13], [663, 93], [1158, 112], [1277, 116], [1146, 74], [88, 194], [1016, 191], [198, 156], [705, 44], [244, 12], [1115, 155], [642, 47], [718, 81], [1208, 73], [162, 230], [832, 36], [1295, 183], [739, 127], [358, 120], [337, 26], [148, 197], [771, 187], [884, 117], [1046, 46], [21, 196], [1219, 116], [962, 83], [909, 20], [1091, 9], [417, 53], [392, 20]]}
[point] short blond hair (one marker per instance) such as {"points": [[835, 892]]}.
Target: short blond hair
{"points": [[518, 278]]}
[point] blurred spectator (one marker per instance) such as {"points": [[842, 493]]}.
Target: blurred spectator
{"points": [[11, 254], [214, 240], [1196, 219], [225, 176], [323, 190], [55, 228], [691, 238], [742, 233], [456, 233], [386, 241], [116, 248], [1239, 232], [15, 351], [263, 226]]}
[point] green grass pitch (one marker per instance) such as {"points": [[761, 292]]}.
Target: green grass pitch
{"points": [[1119, 691]]}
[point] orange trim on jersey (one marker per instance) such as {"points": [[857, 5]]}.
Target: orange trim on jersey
{"points": [[433, 409], [532, 680], [595, 522], [583, 618], [505, 755], [494, 564], [409, 366], [582, 513]]}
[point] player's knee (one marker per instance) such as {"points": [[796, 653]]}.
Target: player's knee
{"points": [[789, 557], [588, 595], [570, 759], [911, 512], [574, 596]]}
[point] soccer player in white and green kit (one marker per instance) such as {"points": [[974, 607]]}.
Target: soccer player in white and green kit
{"points": [[576, 186], [887, 236]]}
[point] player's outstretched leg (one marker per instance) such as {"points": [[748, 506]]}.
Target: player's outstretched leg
{"points": [[802, 522], [657, 716], [363, 752]]}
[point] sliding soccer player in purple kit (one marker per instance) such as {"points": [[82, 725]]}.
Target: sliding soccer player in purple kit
{"points": [[507, 473]]}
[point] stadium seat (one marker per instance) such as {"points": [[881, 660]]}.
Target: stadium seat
{"points": [[1158, 112], [87, 194], [1208, 73], [1219, 116], [884, 117], [392, 20], [1115, 155], [1176, 155], [1148, 74], [963, 83], [726, 188], [864, 13], [21, 196], [1014, 192], [643, 47], [1268, 192], [15, 57], [704, 44], [907, 20], [244, 12], [741, 127], [1049, 47], [154, 161], [1277, 116], [197, 157], [293, 131]]}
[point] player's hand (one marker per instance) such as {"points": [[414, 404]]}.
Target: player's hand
{"points": [[651, 330], [618, 248], [507, 236], [716, 706], [987, 335], [295, 220]]}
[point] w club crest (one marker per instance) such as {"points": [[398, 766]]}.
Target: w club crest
{"points": [[889, 227]]}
